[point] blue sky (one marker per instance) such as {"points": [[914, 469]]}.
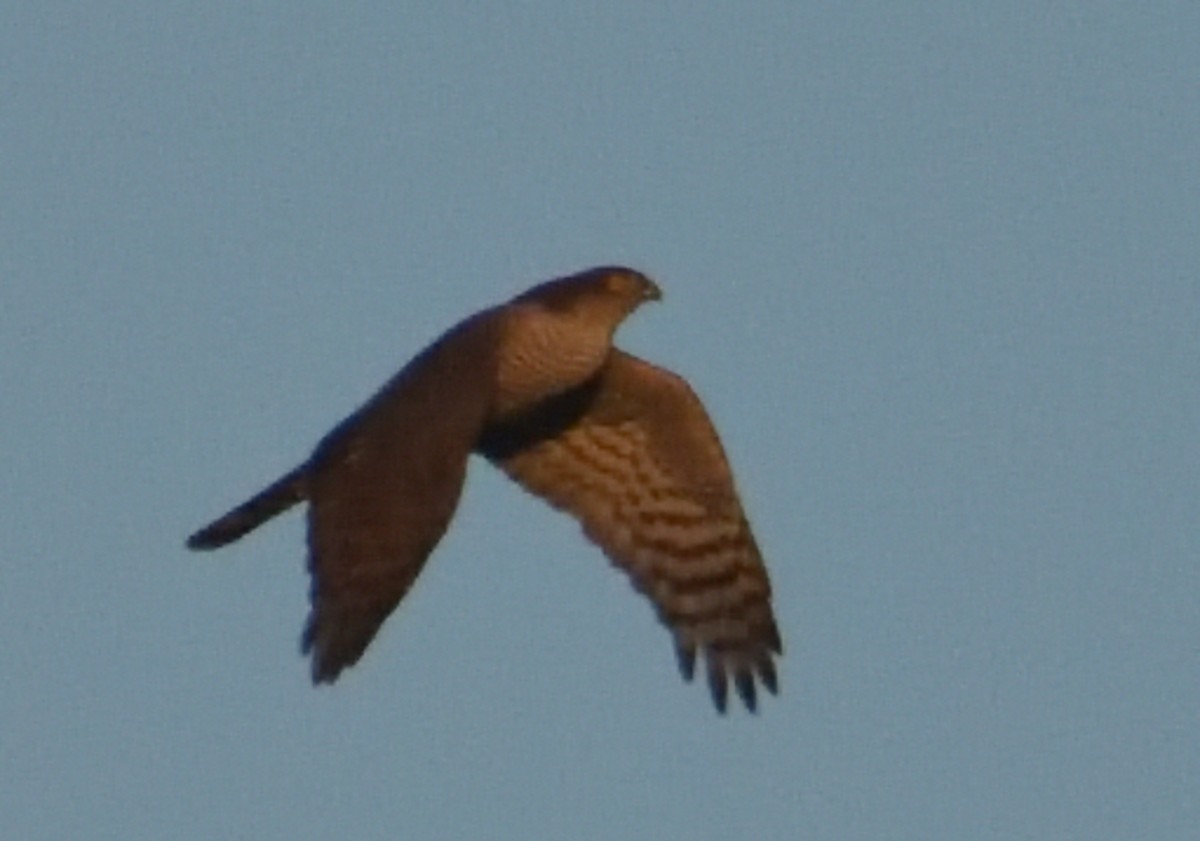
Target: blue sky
{"points": [[933, 270]]}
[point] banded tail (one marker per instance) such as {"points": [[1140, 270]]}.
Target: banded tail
{"points": [[252, 513]]}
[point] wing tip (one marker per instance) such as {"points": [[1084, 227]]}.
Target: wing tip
{"points": [[746, 674]]}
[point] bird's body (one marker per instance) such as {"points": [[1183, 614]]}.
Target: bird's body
{"points": [[536, 387]]}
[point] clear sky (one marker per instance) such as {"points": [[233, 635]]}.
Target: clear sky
{"points": [[932, 266]]}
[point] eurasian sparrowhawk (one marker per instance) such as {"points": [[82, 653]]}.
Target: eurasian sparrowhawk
{"points": [[535, 386]]}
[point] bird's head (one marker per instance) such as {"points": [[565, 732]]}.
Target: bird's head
{"points": [[558, 334], [602, 294], [628, 285]]}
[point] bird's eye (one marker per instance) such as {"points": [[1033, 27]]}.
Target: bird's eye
{"points": [[615, 282]]}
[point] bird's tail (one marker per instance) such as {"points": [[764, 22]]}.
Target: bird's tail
{"points": [[252, 513]]}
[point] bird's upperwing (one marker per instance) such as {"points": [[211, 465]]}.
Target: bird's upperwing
{"points": [[634, 456], [384, 485]]}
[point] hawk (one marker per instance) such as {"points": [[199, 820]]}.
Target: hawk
{"points": [[536, 387]]}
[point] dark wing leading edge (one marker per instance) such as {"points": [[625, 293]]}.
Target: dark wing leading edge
{"points": [[383, 486], [635, 458]]}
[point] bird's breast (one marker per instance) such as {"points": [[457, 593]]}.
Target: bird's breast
{"points": [[543, 354]]}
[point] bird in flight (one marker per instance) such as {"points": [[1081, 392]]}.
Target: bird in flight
{"points": [[536, 387]]}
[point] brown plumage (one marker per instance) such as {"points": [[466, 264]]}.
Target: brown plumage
{"points": [[536, 387]]}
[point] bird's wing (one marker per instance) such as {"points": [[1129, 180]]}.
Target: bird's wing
{"points": [[634, 456], [383, 486]]}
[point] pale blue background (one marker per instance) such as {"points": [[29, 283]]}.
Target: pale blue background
{"points": [[933, 266]]}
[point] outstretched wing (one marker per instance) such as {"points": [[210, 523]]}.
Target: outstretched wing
{"points": [[634, 456], [383, 486]]}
